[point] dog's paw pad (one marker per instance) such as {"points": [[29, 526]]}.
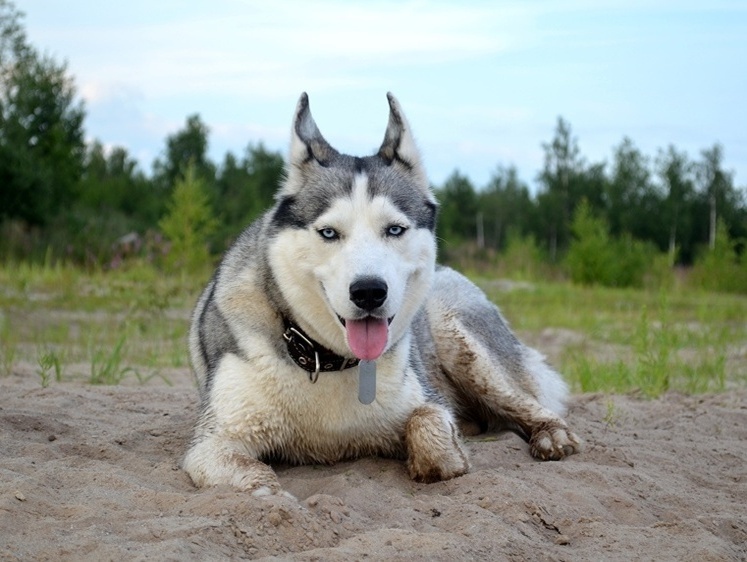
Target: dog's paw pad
{"points": [[554, 443]]}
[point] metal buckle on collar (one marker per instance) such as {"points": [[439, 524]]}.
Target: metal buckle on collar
{"points": [[315, 375], [292, 332]]}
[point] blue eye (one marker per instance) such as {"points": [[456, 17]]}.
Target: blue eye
{"points": [[329, 234], [395, 230]]}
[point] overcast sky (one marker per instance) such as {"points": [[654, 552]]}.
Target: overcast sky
{"points": [[482, 83]]}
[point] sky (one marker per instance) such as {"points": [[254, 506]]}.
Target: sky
{"points": [[482, 83]]}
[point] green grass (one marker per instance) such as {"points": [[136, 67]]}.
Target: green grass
{"points": [[8, 345], [98, 327], [107, 364], [636, 340], [50, 362], [108, 327]]}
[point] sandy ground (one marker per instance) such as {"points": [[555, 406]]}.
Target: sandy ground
{"points": [[92, 473]]}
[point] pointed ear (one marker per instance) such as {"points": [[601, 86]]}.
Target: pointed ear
{"points": [[307, 147], [399, 144], [307, 143]]}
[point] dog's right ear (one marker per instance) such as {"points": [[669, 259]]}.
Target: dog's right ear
{"points": [[307, 147]]}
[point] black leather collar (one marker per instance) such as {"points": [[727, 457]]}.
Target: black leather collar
{"points": [[311, 356]]}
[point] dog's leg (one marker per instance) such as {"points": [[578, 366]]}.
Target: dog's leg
{"points": [[434, 450], [212, 461], [215, 459], [504, 392], [210, 464]]}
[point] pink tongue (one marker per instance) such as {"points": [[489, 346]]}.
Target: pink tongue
{"points": [[367, 338]]}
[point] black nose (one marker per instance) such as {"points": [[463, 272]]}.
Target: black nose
{"points": [[368, 293]]}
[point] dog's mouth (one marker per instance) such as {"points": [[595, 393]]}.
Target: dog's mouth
{"points": [[367, 337]]}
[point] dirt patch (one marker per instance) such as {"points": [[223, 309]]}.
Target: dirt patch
{"points": [[92, 473]]}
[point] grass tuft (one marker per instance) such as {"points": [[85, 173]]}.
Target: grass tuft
{"points": [[107, 367], [49, 362]]}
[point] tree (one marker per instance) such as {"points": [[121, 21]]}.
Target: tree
{"points": [[245, 188], [559, 179], [629, 182], [506, 207], [720, 268], [113, 182], [675, 173], [457, 217], [590, 184], [188, 223], [13, 44], [595, 257], [265, 169], [41, 128], [589, 256], [184, 148], [716, 186]]}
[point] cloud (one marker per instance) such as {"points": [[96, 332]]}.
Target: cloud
{"points": [[98, 92], [495, 73], [263, 48]]}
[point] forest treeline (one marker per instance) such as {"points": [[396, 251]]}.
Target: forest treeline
{"points": [[64, 199]]}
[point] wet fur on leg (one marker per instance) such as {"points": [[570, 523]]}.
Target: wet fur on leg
{"points": [[499, 382]]}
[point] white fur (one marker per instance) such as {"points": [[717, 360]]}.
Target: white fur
{"points": [[553, 391]]}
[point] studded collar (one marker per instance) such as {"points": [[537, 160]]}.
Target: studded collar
{"points": [[311, 356]]}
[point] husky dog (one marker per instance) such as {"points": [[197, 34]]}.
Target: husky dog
{"points": [[329, 333]]}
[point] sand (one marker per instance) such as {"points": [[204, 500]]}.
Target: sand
{"points": [[92, 473]]}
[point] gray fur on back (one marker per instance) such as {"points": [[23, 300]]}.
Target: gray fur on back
{"points": [[472, 307]]}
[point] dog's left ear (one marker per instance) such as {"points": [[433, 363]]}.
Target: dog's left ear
{"points": [[399, 144]]}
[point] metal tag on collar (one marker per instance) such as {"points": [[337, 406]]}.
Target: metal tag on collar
{"points": [[366, 381]]}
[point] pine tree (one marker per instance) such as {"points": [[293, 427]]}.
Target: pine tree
{"points": [[188, 223]]}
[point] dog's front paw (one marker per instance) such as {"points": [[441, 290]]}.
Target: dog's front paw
{"points": [[209, 463], [259, 486], [552, 442], [431, 469], [270, 489], [434, 451]]}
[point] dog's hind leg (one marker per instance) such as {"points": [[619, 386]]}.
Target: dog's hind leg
{"points": [[502, 383]]}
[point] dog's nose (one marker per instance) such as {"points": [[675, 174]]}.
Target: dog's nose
{"points": [[368, 293]]}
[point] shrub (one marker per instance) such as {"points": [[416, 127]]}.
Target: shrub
{"points": [[721, 268], [596, 258], [188, 224], [523, 259]]}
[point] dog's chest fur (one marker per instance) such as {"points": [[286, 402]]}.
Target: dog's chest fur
{"points": [[271, 406]]}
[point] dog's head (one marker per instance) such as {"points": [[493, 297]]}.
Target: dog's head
{"points": [[352, 239]]}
